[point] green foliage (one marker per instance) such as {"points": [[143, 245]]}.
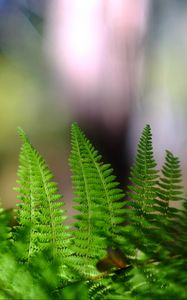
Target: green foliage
{"points": [[121, 246], [99, 203], [39, 216], [142, 203]]}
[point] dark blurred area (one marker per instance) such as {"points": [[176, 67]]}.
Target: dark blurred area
{"points": [[112, 66]]}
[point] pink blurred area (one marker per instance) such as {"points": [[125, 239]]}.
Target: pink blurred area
{"points": [[96, 47]]}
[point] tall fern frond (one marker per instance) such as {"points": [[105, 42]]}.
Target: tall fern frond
{"points": [[40, 216], [99, 201]]}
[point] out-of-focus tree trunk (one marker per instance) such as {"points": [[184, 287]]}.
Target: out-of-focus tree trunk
{"points": [[96, 50]]}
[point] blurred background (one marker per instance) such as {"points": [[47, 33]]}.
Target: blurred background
{"points": [[111, 65]]}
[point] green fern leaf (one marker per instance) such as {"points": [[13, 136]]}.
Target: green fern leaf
{"points": [[143, 203], [40, 216], [170, 191], [170, 182], [5, 233], [99, 202]]}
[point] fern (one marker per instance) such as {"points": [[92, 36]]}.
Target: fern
{"points": [[5, 218], [40, 216], [133, 248], [142, 200], [170, 192], [170, 184], [98, 201]]}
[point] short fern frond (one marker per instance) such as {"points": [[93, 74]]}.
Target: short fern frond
{"points": [[170, 184], [170, 194]]}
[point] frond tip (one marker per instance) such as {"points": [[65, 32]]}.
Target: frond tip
{"points": [[23, 135]]}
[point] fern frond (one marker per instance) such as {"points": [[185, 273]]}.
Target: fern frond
{"points": [[100, 289], [99, 201], [115, 285], [170, 192], [40, 216], [183, 235], [38, 280], [164, 280], [143, 203], [5, 232], [170, 184], [159, 232]]}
